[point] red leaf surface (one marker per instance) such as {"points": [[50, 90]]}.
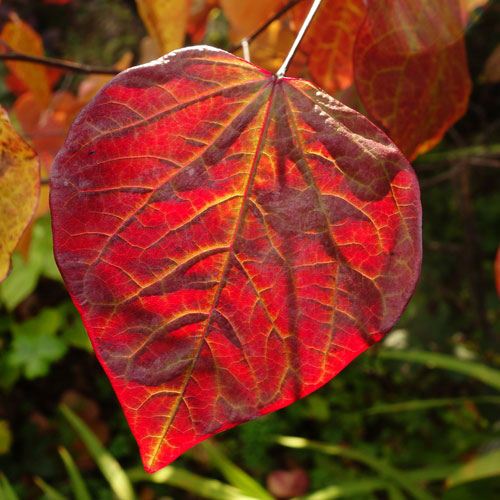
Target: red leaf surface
{"points": [[232, 241], [411, 70]]}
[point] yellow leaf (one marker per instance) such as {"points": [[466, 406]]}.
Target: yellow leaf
{"points": [[21, 37], [471, 5], [270, 48], [19, 189], [166, 21]]}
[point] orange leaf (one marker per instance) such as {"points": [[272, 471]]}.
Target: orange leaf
{"points": [[19, 188], [329, 41], [46, 128], [246, 16], [18, 87], [470, 9], [89, 87], [270, 48], [411, 70], [21, 37]]}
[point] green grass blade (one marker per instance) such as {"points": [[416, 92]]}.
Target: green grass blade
{"points": [[434, 473], [6, 490], [50, 492], [394, 493], [180, 478], [361, 486], [234, 475], [346, 490], [110, 468], [479, 150], [399, 478], [79, 489], [481, 372], [480, 467], [426, 404]]}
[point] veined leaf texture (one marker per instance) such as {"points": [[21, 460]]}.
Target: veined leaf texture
{"points": [[232, 240]]}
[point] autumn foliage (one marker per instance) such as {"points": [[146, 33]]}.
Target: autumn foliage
{"points": [[233, 239], [242, 263]]}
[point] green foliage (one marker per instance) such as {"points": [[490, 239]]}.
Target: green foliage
{"points": [[110, 468], [5, 437], [482, 466], [40, 341], [35, 345], [6, 490], [24, 276], [50, 492], [233, 474], [78, 485]]}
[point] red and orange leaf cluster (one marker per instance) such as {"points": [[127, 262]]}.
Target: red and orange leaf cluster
{"points": [[21, 37], [231, 239], [44, 123], [411, 70], [406, 58]]}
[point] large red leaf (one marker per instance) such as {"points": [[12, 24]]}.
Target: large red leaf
{"points": [[411, 70], [231, 239]]}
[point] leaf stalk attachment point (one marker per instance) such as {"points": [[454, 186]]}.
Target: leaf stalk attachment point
{"points": [[261, 29], [314, 8]]}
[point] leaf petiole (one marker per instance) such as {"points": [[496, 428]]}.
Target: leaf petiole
{"points": [[314, 8]]}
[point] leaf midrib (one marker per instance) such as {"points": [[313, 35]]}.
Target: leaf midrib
{"points": [[224, 273]]}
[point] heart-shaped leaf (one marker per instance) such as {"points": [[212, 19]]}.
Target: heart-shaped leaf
{"points": [[231, 239]]}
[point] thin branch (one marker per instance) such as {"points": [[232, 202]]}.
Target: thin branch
{"points": [[256, 33], [484, 162], [444, 176], [470, 261], [12, 55], [461, 152]]}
